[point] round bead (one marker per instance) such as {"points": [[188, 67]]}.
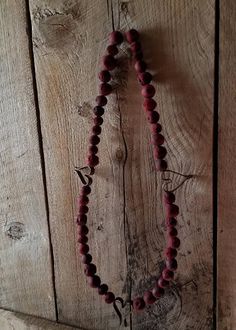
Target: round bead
{"points": [[104, 76], [171, 264], [86, 258], [156, 128], [94, 281], [161, 164], [170, 253], [167, 274], [138, 304], [83, 239], [109, 297], [101, 100], [137, 56], [158, 292], [157, 139], [98, 120], [90, 269], [159, 152], [96, 129], [93, 160], [109, 62], [144, 78], [132, 35], [81, 219], [174, 242], [149, 104], [149, 298], [136, 46], [148, 91], [140, 66], [171, 222], [162, 283], [152, 116], [172, 231], [94, 140], [112, 50], [83, 248], [169, 197], [116, 37], [172, 210], [98, 111], [105, 89], [93, 149], [82, 230], [103, 288], [86, 190], [83, 200], [83, 209]]}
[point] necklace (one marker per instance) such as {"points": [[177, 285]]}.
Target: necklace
{"points": [[159, 151]]}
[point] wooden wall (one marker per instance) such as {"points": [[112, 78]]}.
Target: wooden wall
{"points": [[50, 54]]}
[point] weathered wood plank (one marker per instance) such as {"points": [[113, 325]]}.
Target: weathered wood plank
{"points": [[226, 169], [25, 271]]}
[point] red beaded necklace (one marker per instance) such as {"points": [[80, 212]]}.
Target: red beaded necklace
{"points": [[172, 210]]}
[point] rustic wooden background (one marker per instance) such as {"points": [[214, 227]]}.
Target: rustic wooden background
{"points": [[49, 58]]}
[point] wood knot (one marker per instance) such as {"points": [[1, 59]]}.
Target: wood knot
{"points": [[15, 230], [119, 154]]}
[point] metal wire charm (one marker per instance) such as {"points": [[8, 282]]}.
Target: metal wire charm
{"points": [[84, 173], [123, 305]]}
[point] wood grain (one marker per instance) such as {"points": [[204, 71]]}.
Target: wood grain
{"points": [[25, 262], [226, 169], [126, 218]]}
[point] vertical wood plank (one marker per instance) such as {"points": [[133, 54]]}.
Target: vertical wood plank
{"points": [[226, 169], [25, 262]]}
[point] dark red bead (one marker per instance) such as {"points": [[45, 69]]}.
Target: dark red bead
{"points": [[83, 248], [172, 210], [161, 164], [109, 297], [103, 288], [83, 200], [104, 76], [162, 283], [112, 50], [98, 111], [96, 129], [132, 35], [83, 209], [86, 258], [116, 37], [138, 304], [82, 230], [93, 149], [81, 219], [149, 298], [137, 56], [156, 128], [158, 292], [98, 120], [94, 140], [159, 152], [90, 269], [109, 62], [169, 197], [148, 91], [101, 100], [145, 78], [93, 160], [174, 242], [149, 104], [171, 264], [172, 231], [152, 117], [105, 89], [140, 66], [157, 139], [170, 253], [171, 222], [94, 281], [83, 239], [167, 274], [136, 46], [86, 190]]}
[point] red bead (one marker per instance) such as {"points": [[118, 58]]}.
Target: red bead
{"points": [[169, 197], [149, 104], [112, 50], [157, 139], [137, 56], [174, 242], [83, 209], [98, 111], [98, 120], [82, 230], [172, 210], [162, 283], [152, 116], [116, 37], [104, 76], [159, 152], [132, 35], [109, 62], [138, 304], [93, 160], [148, 91], [161, 164], [94, 281], [158, 292], [83, 239], [94, 140], [83, 248], [96, 129], [172, 231], [105, 89], [103, 288], [170, 253], [140, 66], [81, 219], [85, 190], [171, 222], [149, 298], [86, 258], [136, 46], [83, 200], [101, 100], [109, 297], [156, 128], [90, 269], [171, 264], [145, 78], [167, 274], [93, 149]]}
